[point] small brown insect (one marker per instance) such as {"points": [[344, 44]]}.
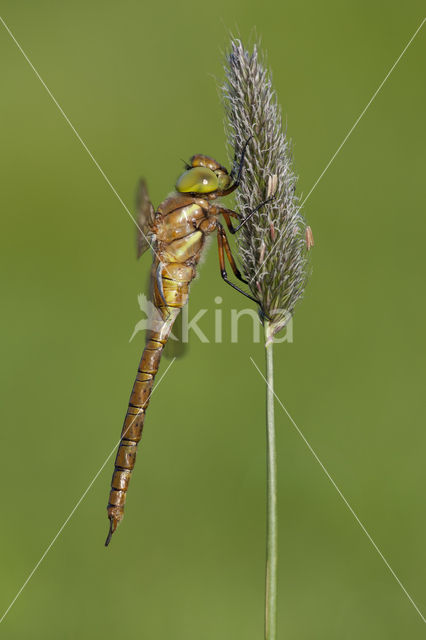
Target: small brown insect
{"points": [[309, 237]]}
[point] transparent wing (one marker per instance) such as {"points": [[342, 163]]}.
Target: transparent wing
{"points": [[175, 346], [145, 218]]}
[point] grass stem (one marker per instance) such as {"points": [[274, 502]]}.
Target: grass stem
{"points": [[271, 509]]}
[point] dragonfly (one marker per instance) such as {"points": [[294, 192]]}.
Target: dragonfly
{"points": [[176, 232]]}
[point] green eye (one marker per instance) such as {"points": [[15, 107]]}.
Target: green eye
{"points": [[197, 180]]}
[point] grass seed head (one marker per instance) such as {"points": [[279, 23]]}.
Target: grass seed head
{"points": [[273, 244]]}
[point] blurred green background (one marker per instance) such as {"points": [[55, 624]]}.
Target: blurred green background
{"points": [[138, 81]]}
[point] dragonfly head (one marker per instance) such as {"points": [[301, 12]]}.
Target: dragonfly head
{"points": [[204, 175]]}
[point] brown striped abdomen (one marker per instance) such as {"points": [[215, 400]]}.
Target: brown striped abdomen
{"points": [[174, 282]]}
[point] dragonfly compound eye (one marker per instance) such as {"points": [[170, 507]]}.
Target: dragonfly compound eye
{"points": [[198, 180]]}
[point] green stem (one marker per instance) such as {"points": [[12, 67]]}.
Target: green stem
{"points": [[271, 470]]}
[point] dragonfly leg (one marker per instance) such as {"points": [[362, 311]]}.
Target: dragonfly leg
{"points": [[235, 167], [239, 166], [230, 257], [229, 213], [222, 243], [227, 217], [252, 212], [217, 209]]}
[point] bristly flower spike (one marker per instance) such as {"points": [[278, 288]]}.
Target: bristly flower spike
{"points": [[273, 244]]}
